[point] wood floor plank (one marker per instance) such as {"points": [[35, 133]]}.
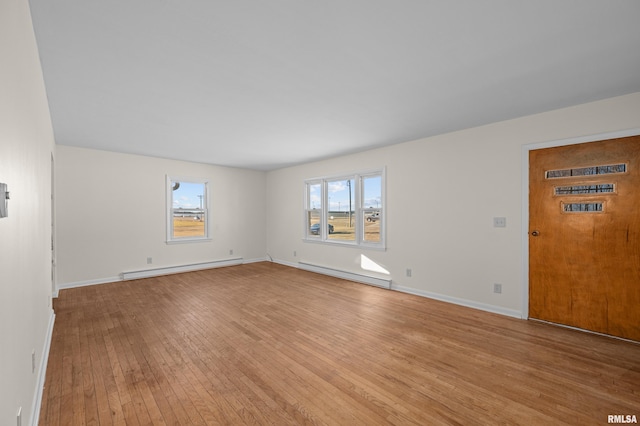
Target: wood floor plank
{"points": [[53, 385], [268, 344], [90, 382]]}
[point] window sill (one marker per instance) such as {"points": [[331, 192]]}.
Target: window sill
{"points": [[189, 240], [377, 247]]}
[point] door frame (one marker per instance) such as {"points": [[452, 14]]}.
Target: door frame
{"points": [[525, 195], [54, 291]]}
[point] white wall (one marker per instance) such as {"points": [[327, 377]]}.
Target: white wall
{"points": [[111, 214], [26, 145], [442, 195]]}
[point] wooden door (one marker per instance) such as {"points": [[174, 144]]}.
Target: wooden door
{"points": [[584, 236]]}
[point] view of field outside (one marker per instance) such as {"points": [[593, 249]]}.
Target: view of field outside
{"points": [[342, 208], [372, 228], [189, 209], [187, 227], [372, 198]]}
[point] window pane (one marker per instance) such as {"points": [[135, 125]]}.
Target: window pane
{"points": [[585, 189], [587, 171], [188, 208], [188, 224], [313, 223], [371, 201], [371, 221], [315, 196], [582, 207], [372, 192], [341, 199]]}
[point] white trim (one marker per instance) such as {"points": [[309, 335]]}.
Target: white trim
{"points": [[370, 172], [583, 139], [286, 263], [42, 372], [190, 240], [351, 276], [388, 284], [524, 232], [525, 194], [86, 283], [458, 301], [357, 206], [169, 210], [146, 273], [256, 260], [156, 272], [362, 246]]}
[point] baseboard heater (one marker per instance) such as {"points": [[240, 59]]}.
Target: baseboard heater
{"points": [[351, 276], [146, 273]]}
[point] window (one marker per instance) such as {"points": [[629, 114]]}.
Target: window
{"points": [[587, 171], [340, 214], [582, 207], [585, 189], [313, 212], [187, 210], [346, 209], [371, 211]]}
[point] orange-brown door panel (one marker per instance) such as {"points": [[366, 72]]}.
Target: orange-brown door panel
{"points": [[584, 236]]}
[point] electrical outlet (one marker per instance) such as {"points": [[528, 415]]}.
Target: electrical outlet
{"points": [[149, 260], [33, 361], [409, 272], [295, 253], [231, 252], [497, 288], [499, 222]]}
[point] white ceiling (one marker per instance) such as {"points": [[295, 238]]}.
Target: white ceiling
{"points": [[267, 84]]}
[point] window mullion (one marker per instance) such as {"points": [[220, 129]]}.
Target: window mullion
{"points": [[324, 234], [359, 227]]}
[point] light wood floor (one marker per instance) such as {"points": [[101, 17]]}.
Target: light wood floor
{"points": [[267, 344]]}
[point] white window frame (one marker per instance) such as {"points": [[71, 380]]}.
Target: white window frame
{"points": [[359, 210], [169, 210], [308, 208]]}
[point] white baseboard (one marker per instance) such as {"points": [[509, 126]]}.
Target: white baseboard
{"points": [[366, 279], [286, 263], [361, 278], [42, 372], [462, 302], [256, 260], [85, 283], [383, 283], [146, 273]]}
